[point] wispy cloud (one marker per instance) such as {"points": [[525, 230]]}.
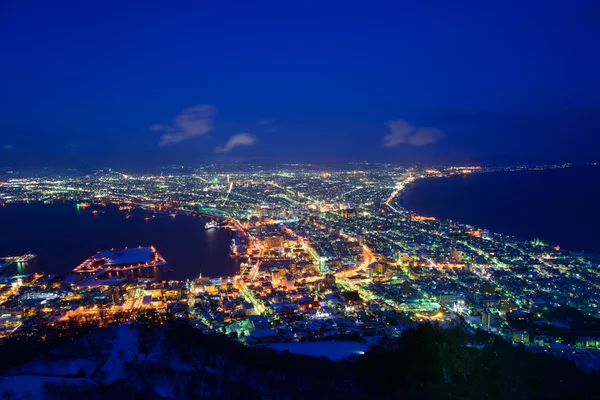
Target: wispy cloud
{"points": [[160, 127], [191, 122], [266, 122], [241, 139], [7, 147], [403, 132]]}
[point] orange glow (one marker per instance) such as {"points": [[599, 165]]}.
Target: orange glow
{"points": [[421, 218], [475, 232]]}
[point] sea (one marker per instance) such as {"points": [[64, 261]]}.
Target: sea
{"points": [[63, 235], [559, 206]]}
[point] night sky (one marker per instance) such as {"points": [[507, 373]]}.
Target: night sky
{"points": [[151, 83]]}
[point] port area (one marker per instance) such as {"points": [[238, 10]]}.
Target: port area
{"points": [[121, 260], [25, 258]]}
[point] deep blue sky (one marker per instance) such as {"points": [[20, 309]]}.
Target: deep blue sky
{"points": [[84, 81]]}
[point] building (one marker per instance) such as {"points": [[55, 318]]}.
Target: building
{"points": [[263, 336], [486, 319], [291, 241], [273, 242], [589, 342], [249, 309], [448, 298], [377, 268], [456, 255], [113, 295], [278, 276], [289, 282], [330, 279], [520, 337], [348, 213]]}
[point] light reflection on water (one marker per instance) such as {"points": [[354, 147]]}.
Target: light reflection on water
{"points": [[63, 236]]}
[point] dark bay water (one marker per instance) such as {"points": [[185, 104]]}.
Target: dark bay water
{"points": [[561, 206], [63, 236]]}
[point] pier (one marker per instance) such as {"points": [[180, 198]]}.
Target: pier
{"points": [[25, 258]]}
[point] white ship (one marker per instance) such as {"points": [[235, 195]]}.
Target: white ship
{"points": [[210, 225]]}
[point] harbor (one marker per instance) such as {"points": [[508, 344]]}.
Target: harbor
{"points": [[10, 260], [121, 260], [183, 241]]}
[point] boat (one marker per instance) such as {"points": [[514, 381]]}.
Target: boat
{"points": [[210, 225], [29, 256]]}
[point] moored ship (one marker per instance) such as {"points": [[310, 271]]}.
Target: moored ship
{"points": [[210, 225]]}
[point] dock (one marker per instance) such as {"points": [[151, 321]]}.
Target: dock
{"points": [[25, 258]]}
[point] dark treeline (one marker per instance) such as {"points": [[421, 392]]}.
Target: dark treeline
{"points": [[425, 362], [450, 363]]}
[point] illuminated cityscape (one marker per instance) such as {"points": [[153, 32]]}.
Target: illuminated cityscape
{"points": [[299, 200], [321, 254]]}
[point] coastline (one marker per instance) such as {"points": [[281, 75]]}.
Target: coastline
{"points": [[178, 239], [402, 197], [528, 219]]}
